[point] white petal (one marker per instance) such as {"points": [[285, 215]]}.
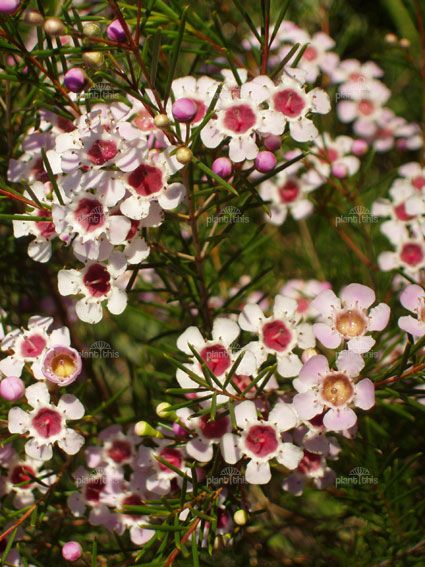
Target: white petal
{"points": [[225, 331], [18, 420], [191, 336], [37, 395], [71, 407], [229, 448], [257, 473], [89, 312], [290, 455], [69, 282], [245, 412], [251, 317], [71, 442], [36, 451], [284, 416], [117, 301]]}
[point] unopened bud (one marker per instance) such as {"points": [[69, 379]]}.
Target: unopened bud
{"points": [[184, 155], [54, 27], [161, 121], [404, 42], [240, 517], [93, 58], [33, 17], [91, 29], [391, 38], [162, 410], [144, 429]]}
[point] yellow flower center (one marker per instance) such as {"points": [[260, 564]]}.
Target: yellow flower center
{"points": [[351, 323], [63, 365], [337, 389]]}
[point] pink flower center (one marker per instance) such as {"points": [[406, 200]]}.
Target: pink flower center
{"points": [[102, 151], [146, 180], [33, 346], [289, 192], [242, 381], [45, 228], [261, 440], [309, 463], [133, 229], [276, 335], [93, 489], [239, 118], [172, 456], [97, 280], [120, 451], [214, 429], [328, 155], [289, 103], [216, 358], [356, 77], [89, 214], [366, 107], [201, 110], [47, 422], [23, 475], [144, 121], [401, 214], [310, 54], [350, 323], [302, 304], [418, 182], [337, 389], [412, 254]]}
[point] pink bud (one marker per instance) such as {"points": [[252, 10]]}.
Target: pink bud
{"points": [[71, 551], [359, 147], [9, 6], [272, 142], [184, 110], [265, 162], [339, 170], [12, 388], [75, 79], [222, 167], [179, 430], [115, 32]]}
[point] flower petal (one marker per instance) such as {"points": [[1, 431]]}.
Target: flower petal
{"points": [[365, 394], [339, 420], [379, 317], [357, 295], [71, 407], [257, 473], [290, 455]]}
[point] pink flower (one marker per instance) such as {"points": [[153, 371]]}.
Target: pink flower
{"points": [[409, 255], [279, 334], [21, 480], [30, 345], [158, 476], [117, 450], [260, 441], [348, 318], [46, 424], [61, 365], [333, 391], [199, 91], [304, 291], [331, 157], [97, 282], [413, 299]]}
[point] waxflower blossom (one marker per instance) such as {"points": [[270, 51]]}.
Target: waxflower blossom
{"points": [[22, 480], [409, 255], [61, 365], [347, 318], [159, 476], [97, 282], [333, 391], [46, 424], [279, 334], [118, 448], [29, 346], [260, 441], [304, 291], [332, 157], [413, 299]]}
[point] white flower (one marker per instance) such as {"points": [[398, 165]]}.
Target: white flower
{"points": [[46, 424]]}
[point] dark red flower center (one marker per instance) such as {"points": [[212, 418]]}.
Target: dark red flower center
{"points": [[90, 214], [214, 429], [288, 102], [120, 451], [401, 214], [23, 475], [102, 151], [47, 422], [216, 358], [146, 180], [289, 191], [93, 489], [261, 440], [276, 335], [33, 346], [97, 280], [239, 118], [172, 456], [309, 463], [412, 254]]}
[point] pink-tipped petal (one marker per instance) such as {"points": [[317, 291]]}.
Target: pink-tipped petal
{"points": [[326, 302], [339, 420], [328, 337], [315, 367], [358, 295], [379, 317], [365, 394], [307, 405], [411, 296]]}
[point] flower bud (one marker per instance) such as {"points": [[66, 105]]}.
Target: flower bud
{"points": [[222, 167], [391, 38], [161, 121], [184, 110], [265, 162], [240, 517], [184, 155], [12, 388], [75, 80], [9, 6], [72, 551], [115, 32], [33, 17], [93, 58], [272, 142], [359, 147], [54, 27], [162, 411], [91, 29], [404, 42], [144, 429], [339, 170]]}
